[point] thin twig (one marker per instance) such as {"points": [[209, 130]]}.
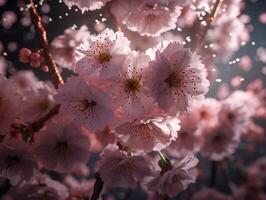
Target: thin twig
{"points": [[213, 174], [33, 127], [98, 186], [200, 38], [53, 70]]}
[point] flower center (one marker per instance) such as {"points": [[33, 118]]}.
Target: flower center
{"points": [[132, 85], [87, 104], [104, 57], [173, 80], [61, 146]]}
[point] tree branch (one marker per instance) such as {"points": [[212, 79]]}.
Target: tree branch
{"points": [[98, 186], [53, 70], [200, 38]]}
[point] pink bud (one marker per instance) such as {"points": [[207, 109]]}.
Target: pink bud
{"points": [[24, 55]]}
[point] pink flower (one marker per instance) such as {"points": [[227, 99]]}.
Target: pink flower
{"points": [[117, 169], [37, 103], [61, 146], [106, 137], [8, 105], [208, 193], [128, 88], [85, 5], [258, 168], [189, 141], [64, 46], [24, 81], [177, 78], [227, 36], [147, 17], [16, 161], [85, 104], [220, 141], [238, 109], [149, 134], [103, 55], [39, 187], [79, 189], [177, 179]]}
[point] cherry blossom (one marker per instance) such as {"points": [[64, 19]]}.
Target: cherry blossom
{"points": [[220, 141], [85, 104], [128, 88], [16, 161], [39, 186], [8, 105], [38, 103], [117, 169], [149, 134], [64, 46], [85, 5], [103, 54], [177, 78], [61, 148], [176, 179], [148, 17]]}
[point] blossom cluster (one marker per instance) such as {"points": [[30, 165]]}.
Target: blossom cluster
{"points": [[135, 101]]}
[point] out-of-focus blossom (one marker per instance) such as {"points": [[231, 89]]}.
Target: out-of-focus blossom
{"points": [[85, 5], [8, 105], [148, 17], [64, 46], [151, 134], [237, 109], [8, 19], [138, 42], [16, 161], [37, 103], [261, 54], [79, 189], [189, 140], [106, 137], [177, 78], [262, 18], [25, 81], [117, 169], [3, 66], [246, 63], [86, 104], [220, 141], [252, 190], [208, 193], [39, 187], [258, 168], [103, 55], [227, 36], [61, 147], [176, 179]]}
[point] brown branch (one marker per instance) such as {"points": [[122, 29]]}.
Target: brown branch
{"points": [[98, 186], [28, 130], [53, 70], [200, 38]]}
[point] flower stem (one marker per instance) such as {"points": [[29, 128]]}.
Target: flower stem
{"points": [[98, 186], [53, 70], [213, 174]]}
